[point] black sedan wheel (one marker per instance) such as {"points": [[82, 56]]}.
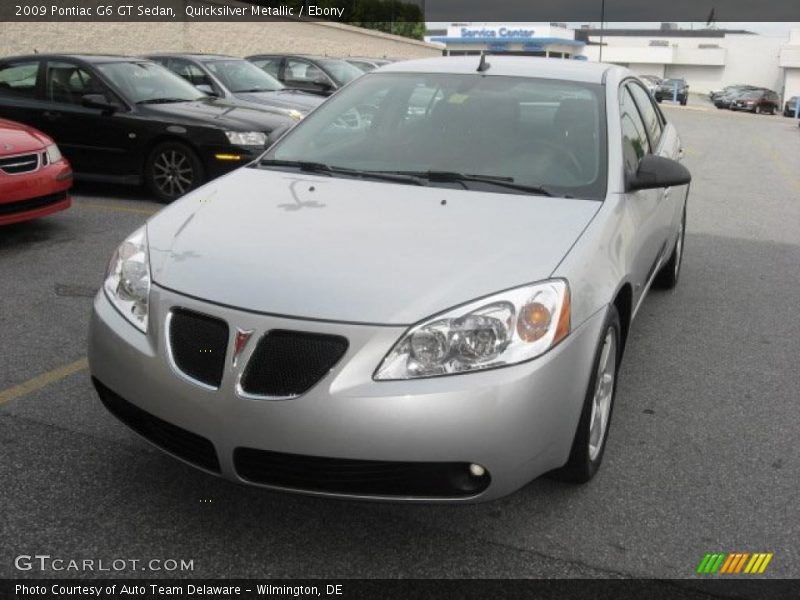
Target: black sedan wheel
{"points": [[172, 170]]}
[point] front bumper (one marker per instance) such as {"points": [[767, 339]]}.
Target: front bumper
{"points": [[517, 422], [33, 195]]}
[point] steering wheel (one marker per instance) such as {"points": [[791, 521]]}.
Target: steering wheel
{"points": [[355, 118], [574, 166]]}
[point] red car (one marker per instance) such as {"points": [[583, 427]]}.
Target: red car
{"points": [[34, 177]]}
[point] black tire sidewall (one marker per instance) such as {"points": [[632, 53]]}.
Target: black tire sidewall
{"points": [[579, 467], [197, 168]]}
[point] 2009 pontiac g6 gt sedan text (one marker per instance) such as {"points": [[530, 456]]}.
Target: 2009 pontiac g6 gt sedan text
{"points": [[421, 292]]}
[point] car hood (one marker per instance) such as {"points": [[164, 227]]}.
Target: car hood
{"points": [[354, 250], [286, 99], [16, 138], [207, 111]]}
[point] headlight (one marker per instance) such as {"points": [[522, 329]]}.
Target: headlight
{"points": [[53, 154], [504, 329], [127, 282], [247, 138]]}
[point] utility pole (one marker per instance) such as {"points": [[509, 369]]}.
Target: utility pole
{"points": [[602, 23]]}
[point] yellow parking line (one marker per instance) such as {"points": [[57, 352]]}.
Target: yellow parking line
{"points": [[141, 211], [42, 380]]}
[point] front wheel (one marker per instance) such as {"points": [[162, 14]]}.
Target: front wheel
{"points": [[667, 277], [589, 443], [172, 169]]}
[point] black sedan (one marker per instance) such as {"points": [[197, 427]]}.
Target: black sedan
{"points": [[672, 89], [129, 120], [237, 79], [317, 74]]}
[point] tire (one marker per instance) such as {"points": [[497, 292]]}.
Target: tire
{"points": [[684, 101], [669, 274], [757, 109], [172, 169], [589, 443]]}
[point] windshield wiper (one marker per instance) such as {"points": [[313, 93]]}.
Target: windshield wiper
{"points": [[463, 178], [253, 91], [324, 169], [163, 100]]}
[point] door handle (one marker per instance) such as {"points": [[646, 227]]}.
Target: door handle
{"points": [[666, 193], [51, 115], [680, 153]]}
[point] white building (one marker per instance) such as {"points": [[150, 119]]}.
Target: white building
{"points": [[709, 59], [554, 40], [790, 63]]}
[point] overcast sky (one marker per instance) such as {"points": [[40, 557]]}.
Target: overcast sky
{"points": [[766, 28]]}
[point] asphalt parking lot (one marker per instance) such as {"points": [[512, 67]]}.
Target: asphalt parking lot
{"points": [[702, 457]]}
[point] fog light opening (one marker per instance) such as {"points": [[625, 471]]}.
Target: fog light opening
{"points": [[476, 470]]}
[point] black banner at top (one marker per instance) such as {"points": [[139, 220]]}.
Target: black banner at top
{"points": [[414, 11]]}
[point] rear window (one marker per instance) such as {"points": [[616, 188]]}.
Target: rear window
{"points": [[19, 79]]}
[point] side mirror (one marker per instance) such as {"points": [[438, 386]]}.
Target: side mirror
{"points": [[206, 89], [658, 172], [98, 101], [322, 83]]}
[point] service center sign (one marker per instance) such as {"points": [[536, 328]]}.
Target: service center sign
{"points": [[495, 32]]}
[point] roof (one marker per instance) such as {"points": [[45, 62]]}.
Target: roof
{"points": [[90, 58], [195, 55], [515, 66], [584, 34]]}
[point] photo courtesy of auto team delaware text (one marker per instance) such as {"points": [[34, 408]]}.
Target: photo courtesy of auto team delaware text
{"points": [[290, 287]]}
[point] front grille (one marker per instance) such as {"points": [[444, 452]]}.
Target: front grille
{"points": [[286, 364], [198, 344], [358, 477], [16, 165], [184, 444], [21, 206]]}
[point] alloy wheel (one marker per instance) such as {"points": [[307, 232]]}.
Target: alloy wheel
{"points": [[173, 173], [603, 394]]}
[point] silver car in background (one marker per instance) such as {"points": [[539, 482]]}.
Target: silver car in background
{"points": [[422, 292]]}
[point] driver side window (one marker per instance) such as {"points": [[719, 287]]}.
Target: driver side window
{"points": [[634, 135], [67, 83], [301, 71]]}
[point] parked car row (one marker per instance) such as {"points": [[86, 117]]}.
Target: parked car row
{"points": [[748, 98], [169, 121]]}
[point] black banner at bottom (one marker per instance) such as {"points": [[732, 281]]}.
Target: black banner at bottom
{"points": [[254, 589]]}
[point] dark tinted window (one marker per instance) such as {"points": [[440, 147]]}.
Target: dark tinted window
{"points": [[189, 71], [648, 112], [634, 136], [269, 65], [19, 78], [67, 83]]}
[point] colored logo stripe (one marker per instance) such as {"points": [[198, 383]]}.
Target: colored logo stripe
{"points": [[734, 563]]}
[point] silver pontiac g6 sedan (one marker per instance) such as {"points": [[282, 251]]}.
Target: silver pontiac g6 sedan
{"points": [[421, 292]]}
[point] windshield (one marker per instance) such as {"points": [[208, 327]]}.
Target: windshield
{"points": [[341, 71], [532, 132], [144, 82], [672, 82], [243, 76]]}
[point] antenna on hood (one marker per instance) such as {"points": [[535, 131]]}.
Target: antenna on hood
{"points": [[483, 65]]}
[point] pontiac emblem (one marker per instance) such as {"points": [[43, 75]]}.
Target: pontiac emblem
{"points": [[239, 342], [8, 147]]}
